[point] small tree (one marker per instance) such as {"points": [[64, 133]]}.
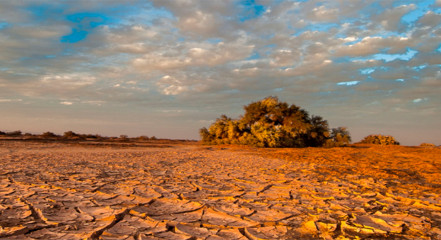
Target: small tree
{"points": [[123, 137], [339, 137]]}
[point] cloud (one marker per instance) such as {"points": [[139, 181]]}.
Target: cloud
{"points": [[197, 54], [66, 103], [390, 19], [6, 100]]}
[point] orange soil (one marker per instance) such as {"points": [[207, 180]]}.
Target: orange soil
{"points": [[62, 191]]}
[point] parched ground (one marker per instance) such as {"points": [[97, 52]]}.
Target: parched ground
{"points": [[62, 191]]}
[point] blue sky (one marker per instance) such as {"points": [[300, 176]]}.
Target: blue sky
{"points": [[169, 67]]}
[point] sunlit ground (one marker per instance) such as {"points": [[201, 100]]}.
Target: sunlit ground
{"points": [[189, 191]]}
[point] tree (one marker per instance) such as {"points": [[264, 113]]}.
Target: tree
{"points": [[339, 137], [269, 123]]}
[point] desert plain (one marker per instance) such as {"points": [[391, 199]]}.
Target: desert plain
{"points": [[189, 191]]}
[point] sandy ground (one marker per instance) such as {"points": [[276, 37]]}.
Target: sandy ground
{"points": [[61, 191]]}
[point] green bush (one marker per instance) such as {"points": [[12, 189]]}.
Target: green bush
{"points": [[380, 140], [269, 123]]}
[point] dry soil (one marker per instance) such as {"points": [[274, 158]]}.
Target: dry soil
{"points": [[64, 191]]}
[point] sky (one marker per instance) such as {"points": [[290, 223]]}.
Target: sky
{"points": [[167, 68]]}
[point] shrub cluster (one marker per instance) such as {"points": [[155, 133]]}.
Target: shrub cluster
{"points": [[271, 123], [380, 140], [427, 145]]}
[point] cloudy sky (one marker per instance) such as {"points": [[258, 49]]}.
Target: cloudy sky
{"points": [[169, 67]]}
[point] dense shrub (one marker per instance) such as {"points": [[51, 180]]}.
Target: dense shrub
{"points": [[49, 135], [380, 140], [427, 145], [14, 133], [339, 137], [143, 138], [70, 135], [269, 123]]}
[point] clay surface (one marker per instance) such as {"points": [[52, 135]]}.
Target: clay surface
{"points": [[63, 191]]}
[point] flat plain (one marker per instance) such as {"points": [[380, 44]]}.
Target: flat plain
{"points": [[191, 191]]}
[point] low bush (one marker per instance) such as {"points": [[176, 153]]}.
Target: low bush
{"points": [[380, 140], [427, 145]]}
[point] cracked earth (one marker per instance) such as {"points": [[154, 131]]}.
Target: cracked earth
{"points": [[62, 191]]}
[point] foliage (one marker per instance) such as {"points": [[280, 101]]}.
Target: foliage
{"points": [[143, 138], [70, 135], [427, 145], [269, 123], [14, 133], [339, 137], [380, 140], [49, 135]]}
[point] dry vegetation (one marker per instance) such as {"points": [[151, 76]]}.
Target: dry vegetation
{"points": [[187, 191]]}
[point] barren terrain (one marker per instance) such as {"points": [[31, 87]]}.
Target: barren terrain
{"points": [[66, 191]]}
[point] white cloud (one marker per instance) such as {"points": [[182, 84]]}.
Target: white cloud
{"points": [[323, 13], [67, 81], [67, 103], [7, 100], [171, 86]]}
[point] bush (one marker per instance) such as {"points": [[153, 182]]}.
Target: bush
{"points": [[339, 137], [380, 140], [14, 134], [427, 145], [49, 135], [123, 137], [269, 123], [70, 135], [143, 138]]}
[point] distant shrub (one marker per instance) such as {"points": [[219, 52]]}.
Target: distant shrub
{"points": [[49, 135], [380, 140], [14, 134], [70, 135], [427, 145], [153, 138], [123, 137], [2, 133], [143, 138]]}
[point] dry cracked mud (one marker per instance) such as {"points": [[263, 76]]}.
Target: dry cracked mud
{"points": [[62, 191]]}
